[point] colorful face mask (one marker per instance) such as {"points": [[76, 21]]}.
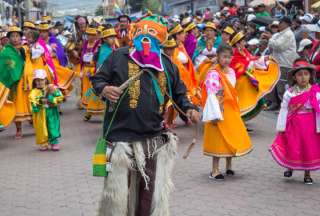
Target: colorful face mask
{"points": [[150, 33]]}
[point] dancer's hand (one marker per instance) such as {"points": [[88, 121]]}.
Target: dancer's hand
{"points": [[112, 93], [193, 115]]}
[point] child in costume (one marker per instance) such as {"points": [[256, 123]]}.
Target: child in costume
{"points": [[225, 135], [44, 100], [297, 145]]}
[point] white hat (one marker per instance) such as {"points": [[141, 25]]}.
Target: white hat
{"points": [[253, 41], [250, 10], [40, 74], [275, 23], [307, 18], [313, 27], [251, 17], [303, 44], [262, 28]]}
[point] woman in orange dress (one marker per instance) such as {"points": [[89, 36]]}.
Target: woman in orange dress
{"points": [[185, 66]]}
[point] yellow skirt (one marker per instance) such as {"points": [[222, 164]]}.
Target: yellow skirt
{"points": [[65, 77], [21, 102], [228, 138], [95, 105], [40, 127], [86, 84], [248, 94], [7, 108]]}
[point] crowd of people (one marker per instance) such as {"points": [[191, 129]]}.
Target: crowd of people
{"points": [[141, 75]]}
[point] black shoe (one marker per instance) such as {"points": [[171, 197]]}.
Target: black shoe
{"points": [[308, 181], [287, 173], [218, 177], [230, 173]]}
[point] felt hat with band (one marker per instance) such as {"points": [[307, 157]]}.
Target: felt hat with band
{"points": [[229, 30], [189, 27], [29, 24], [176, 30], [91, 31], [12, 29], [210, 25], [170, 43], [300, 64], [108, 33], [238, 37], [43, 27]]}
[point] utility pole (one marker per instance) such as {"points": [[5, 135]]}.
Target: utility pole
{"points": [[27, 8]]}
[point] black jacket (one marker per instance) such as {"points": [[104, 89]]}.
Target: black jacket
{"points": [[144, 121]]}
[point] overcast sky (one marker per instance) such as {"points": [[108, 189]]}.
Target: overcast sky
{"points": [[79, 4]]}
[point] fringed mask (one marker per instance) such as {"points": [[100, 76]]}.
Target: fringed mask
{"points": [[150, 33]]}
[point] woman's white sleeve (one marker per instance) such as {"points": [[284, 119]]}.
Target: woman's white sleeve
{"points": [[283, 114], [36, 52]]}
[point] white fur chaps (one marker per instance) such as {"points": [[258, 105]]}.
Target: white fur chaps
{"points": [[120, 195]]}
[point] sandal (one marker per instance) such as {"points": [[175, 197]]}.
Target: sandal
{"points": [[308, 180], [288, 173], [218, 177], [230, 173]]}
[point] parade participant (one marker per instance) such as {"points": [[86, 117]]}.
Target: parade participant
{"points": [[225, 134], [143, 189], [209, 35], [16, 77], [184, 63], [44, 99], [124, 30], [296, 146], [45, 54], [226, 34], [256, 77], [7, 108], [4, 40], [191, 41], [95, 105], [28, 26], [88, 65]]}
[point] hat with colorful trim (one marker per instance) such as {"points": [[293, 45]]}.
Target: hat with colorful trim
{"points": [[236, 38]]}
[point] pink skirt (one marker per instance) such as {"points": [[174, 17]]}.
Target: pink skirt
{"points": [[298, 148]]}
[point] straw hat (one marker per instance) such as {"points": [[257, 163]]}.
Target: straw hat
{"points": [[46, 18], [12, 29], [300, 64], [43, 27], [236, 38], [91, 31], [170, 43], [190, 26], [210, 25], [176, 30], [29, 24], [229, 30], [108, 33]]}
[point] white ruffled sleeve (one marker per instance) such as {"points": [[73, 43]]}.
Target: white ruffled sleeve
{"points": [[36, 52], [212, 110], [283, 114]]}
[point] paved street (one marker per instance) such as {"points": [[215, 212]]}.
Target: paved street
{"points": [[34, 183]]}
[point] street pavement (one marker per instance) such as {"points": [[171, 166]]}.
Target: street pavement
{"points": [[34, 183]]}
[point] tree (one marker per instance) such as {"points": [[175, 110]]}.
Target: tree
{"points": [[152, 5], [99, 11]]}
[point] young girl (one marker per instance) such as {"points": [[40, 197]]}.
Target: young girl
{"points": [[225, 135], [297, 145], [44, 100]]}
